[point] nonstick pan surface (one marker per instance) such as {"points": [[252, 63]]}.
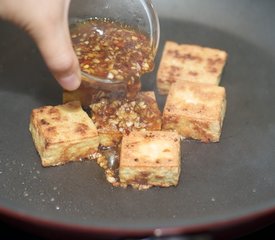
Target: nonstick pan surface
{"points": [[221, 183]]}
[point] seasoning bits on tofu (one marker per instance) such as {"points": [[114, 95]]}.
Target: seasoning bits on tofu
{"points": [[150, 158], [115, 118], [183, 62], [195, 110], [63, 133]]}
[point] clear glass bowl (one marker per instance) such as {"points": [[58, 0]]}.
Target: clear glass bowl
{"points": [[138, 14]]}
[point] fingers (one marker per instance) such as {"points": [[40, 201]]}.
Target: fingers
{"points": [[56, 48], [57, 51], [47, 22]]}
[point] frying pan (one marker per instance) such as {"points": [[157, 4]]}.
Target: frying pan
{"points": [[223, 186]]}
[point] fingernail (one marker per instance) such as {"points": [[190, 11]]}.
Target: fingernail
{"points": [[70, 82]]}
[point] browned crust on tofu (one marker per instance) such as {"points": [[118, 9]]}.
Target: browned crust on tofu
{"points": [[183, 62], [150, 158], [63, 133], [114, 118], [195, 110]]}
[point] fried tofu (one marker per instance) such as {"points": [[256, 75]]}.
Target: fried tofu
{"points": [[183, 62], [115, 118], [150, 158], [195, 110], [63, 133]]}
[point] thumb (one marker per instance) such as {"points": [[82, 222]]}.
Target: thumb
{"points": [[55, 45]]}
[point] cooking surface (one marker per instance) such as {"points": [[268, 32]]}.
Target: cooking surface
{"points": [[219, 182]]}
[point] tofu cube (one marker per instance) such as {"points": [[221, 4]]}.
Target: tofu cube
{"points": [[150, 158], [183, 62], [63, 133], [115, 118], [195, 110]]}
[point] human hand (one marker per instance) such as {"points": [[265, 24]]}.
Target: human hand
{"points": [[47, 22]]}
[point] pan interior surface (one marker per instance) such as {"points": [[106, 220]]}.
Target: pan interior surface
{"points": [[219, 182]]}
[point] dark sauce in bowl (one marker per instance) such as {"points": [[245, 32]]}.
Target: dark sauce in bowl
{"points": [[110, 50]]}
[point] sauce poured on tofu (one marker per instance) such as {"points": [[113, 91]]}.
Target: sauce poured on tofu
{"points": [[118, 118], [110, 50]]}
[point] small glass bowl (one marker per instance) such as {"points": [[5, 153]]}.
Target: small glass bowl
{"points": [[138, 14]]}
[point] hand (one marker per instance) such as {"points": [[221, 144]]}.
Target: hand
{"points": [[47, 22]]}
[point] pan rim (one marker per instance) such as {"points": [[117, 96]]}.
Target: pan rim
{"points": [[240, 224]]}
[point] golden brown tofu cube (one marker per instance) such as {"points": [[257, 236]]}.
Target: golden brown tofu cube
{"points": [[63, 133], [115, 118], [195, 110], [183, 62], [150, 158]]}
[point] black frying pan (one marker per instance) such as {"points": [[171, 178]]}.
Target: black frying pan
{"points": [[225, 185]]}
